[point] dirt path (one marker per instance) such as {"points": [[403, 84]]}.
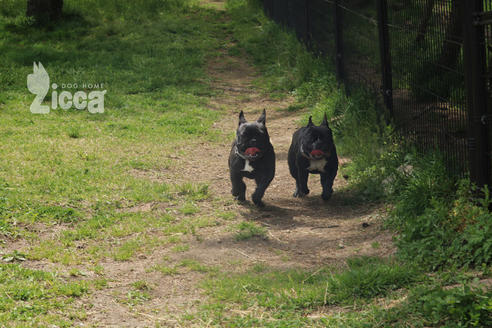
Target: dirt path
{"points": [[306, 233], [311, 232], [302, 233]]}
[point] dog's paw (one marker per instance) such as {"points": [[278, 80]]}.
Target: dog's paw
{"points": [[326, 195], [257, 201], [299, 194], [240, 198], [259, 204]]}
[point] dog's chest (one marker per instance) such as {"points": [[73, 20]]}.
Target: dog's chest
{"points": [[247, 166], [317, 165]]}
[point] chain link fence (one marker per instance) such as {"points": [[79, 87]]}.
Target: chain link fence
{"points": [[427, 61]]}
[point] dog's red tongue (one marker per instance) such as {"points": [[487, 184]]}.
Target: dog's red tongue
{"points": [[251, 151], [317, 152]]}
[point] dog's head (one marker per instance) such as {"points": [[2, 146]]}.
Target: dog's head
{"points": [[317, 141], [252, 138]]}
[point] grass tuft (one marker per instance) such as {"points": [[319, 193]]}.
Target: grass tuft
{"points": [[247, 230]]}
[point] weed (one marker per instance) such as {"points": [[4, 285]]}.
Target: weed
{"points": [[100, 283], [183, 266], [13, 257], [247, 230], [141, 285], [127, 250], [375, 245], [439, 224], [181, 248], [189, 209], [74, 132], [226, 215], [194, 265], [192, 191], [464, 306], [166, 270], [136, 297]]}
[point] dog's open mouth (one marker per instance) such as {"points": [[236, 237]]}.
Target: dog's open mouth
{"points": [[317, 154], [252, 152]]}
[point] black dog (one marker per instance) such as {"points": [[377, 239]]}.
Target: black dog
{"points": [[312, 151], [252, 157]]}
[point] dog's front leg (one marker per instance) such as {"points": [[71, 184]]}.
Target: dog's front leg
{"points": [[327, 183], [301, 182], [238, 187], [262, 184]]}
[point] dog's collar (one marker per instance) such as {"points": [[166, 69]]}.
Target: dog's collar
{"points": [[236, 151], [304, 154]]}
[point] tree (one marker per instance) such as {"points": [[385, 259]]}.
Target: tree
{"points": [[44, 10]]}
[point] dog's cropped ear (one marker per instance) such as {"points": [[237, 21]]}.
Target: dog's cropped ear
{"points": [[262, 118], [325, 121], [310, 122], [242, 120]]}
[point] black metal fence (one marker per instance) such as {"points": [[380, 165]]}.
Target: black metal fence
{"points": [[429, 62]]}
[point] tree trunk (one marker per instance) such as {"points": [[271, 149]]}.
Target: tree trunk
{"points": [[44, 10]]}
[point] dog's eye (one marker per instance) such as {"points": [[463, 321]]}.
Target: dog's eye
{"points": [[253, 140]]}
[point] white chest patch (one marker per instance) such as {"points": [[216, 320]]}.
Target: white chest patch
{"points": [[317, 165], [247, 167]]}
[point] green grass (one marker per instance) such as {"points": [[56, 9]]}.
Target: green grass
{"points": [[67, 148], [370, 292], [139, 294], [284, 62], [35, 298], [84, 168], [82, 189], [80, 173], [269, 297], [247, 230], [184, 266]]}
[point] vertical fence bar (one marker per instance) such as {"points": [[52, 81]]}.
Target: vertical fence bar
{"points": [[286, 19], [476, 90], [275, 10], [269, 7], [307, 26], [338, 19], [385, 55], [281, 12]]}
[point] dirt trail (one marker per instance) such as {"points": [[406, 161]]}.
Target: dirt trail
{"points": [[302, 233], [311, 231]]}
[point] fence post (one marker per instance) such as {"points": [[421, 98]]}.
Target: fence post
{"points": [[476, 91], [385, 55], [338, 19]]}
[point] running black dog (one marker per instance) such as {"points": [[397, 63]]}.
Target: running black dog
{"points": [[312, 151], [252, 157]]}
